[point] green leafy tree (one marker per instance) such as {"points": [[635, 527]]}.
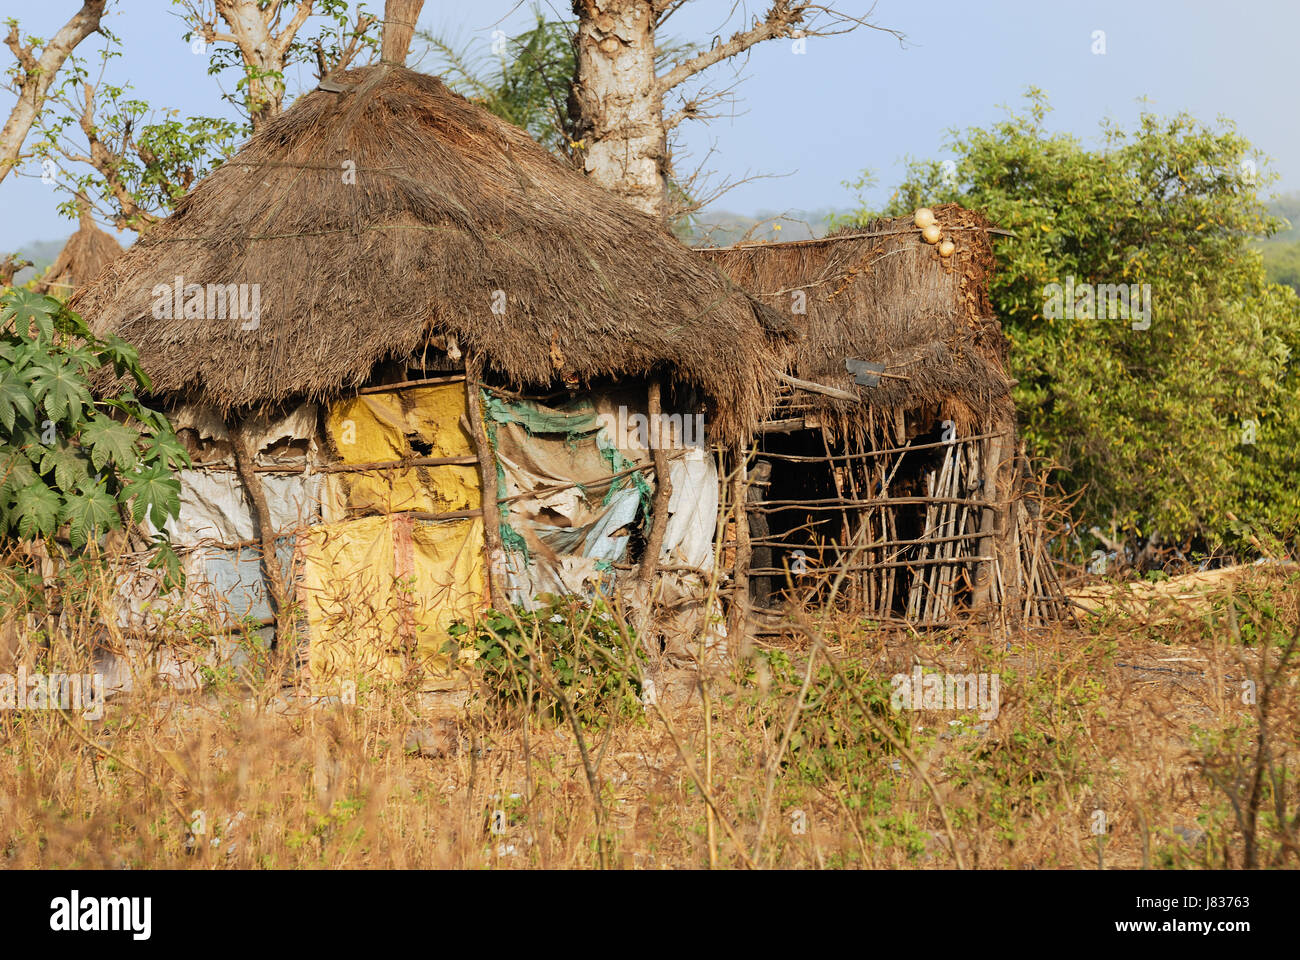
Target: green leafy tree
{"points": [[262, 39], [1282, 250], [73, 466], [528, 80], [102, 145], [525, 80], [1170, 429], [134, 163]]}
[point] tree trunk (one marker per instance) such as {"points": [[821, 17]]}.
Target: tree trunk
{"points": [[263, 52], [618, 101], [494, 554], [272, 573], [739, 613], [399, 27]]}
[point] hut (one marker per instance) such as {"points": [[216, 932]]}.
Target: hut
{"points": [[891, 455], [88, 251], [412, 355]]}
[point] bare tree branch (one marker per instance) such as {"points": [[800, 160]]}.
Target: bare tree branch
{"points": [[130, 214], [285, 37], [10, 265], [324, 67], [783, 19], [33, 82]]}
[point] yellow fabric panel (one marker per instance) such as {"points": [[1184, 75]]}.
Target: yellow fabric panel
{"points": [[435, 413], [448, 571], [345, 580], [431, 489], [368, 428], [379, 594], [375, 427]]}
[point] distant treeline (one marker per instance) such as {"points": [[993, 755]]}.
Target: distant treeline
{"points": [[1282, 250]]}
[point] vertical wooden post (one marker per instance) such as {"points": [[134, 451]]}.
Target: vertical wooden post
{"points": [[658, 517], [1000, 490], [859, 589], [494, 553], [846, 535], [985, 576], [758, 484], [663, 487], [739, 612], [272, 573]]}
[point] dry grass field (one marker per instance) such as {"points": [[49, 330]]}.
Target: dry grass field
{"points": [[1133, 739]]}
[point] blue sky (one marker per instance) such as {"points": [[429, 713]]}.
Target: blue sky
{"points": [[850, 102]]}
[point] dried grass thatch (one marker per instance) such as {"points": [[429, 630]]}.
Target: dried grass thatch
{"points": [[880, 293], [449, 205], [85, 256]]}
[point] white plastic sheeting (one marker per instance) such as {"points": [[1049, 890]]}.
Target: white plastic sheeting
{"points": [[214, 508], [692, 511], [568, 528], [212, 533]]}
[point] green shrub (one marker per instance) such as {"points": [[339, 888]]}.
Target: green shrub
{"points": [[568, 649]]}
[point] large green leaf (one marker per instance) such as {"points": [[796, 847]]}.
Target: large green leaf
{"points": [[68, 463], [36, 510], [89, 512], [165, 448], [107, 438], [60, 389], [26, 307], [15, 473], [53, 435], [15, 398], [154, 490], [124, 359]]}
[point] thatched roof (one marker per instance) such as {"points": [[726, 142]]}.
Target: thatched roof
{"points": [[880, 293], [393, 210], [84, 257]]}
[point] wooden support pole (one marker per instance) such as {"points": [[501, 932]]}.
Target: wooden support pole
{"points": [[789, 425], [1007, 545], [835, 503], [406, 384], [272, 573], [846, 533], [375, 465], [863, 588], [663, 488], [878, 454], [985, 577], [833, 392], [739, 613], [997, 581], [1029, 537], [890, 565], [494, 554], [646, 574]]}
